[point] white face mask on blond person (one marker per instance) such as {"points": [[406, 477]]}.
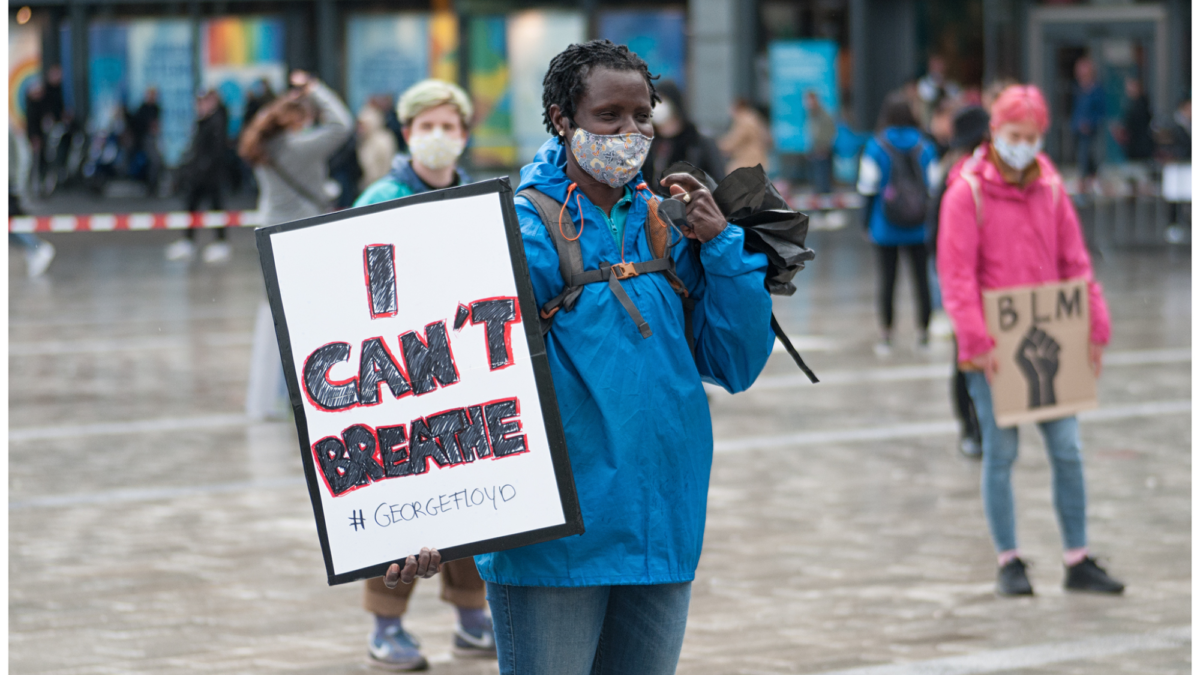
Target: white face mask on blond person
{"points": [[435, 149]]}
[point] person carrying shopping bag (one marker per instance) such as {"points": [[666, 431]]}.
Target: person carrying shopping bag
{"points": [[1006, 221]]}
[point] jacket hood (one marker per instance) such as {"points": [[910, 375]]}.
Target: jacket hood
{"points": [[902, 138], [548, 171], [986, 173], [402, 172]]}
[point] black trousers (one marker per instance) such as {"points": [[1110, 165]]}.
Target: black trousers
{"points": [[889, 258], [198, 192]]}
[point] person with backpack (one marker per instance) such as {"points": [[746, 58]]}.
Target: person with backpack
{"points": [[893, 175], [610, 278], [1007, 221], [436, 117]]}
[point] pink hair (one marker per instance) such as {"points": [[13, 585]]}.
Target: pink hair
{"points": [[1021, 103]]}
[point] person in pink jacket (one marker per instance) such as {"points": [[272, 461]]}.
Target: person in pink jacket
{"points": [[1006, 221]]}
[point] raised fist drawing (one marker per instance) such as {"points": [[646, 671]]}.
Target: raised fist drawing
{"points": [[1037, 355]]}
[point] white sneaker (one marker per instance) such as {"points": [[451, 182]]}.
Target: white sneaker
{"points": [[883, 349], [217, 252], [181, 250], [37, 260]]}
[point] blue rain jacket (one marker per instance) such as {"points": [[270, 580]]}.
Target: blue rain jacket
{"points": [[904, 139], [636, 418]]}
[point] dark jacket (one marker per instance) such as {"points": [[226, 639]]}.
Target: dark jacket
{"points": [[689, 146], [1139, 143], [205, 157]]}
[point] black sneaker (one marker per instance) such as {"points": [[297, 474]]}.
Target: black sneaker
{"points": [[1086, 575], [1011, 579]]}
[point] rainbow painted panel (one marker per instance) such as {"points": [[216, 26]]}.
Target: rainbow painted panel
{"points": [[239, 41]]}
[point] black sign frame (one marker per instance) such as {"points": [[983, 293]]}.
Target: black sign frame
{"points": [[551, 416]]}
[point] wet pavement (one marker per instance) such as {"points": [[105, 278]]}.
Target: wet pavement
{"points": [[153, 529]]}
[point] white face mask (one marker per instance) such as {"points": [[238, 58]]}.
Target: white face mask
{"points": [[1017, 155], [662, 112], [435, 150]]}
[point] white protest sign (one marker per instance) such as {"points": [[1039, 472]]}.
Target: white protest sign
{"points": [[419, 380], [1041, 335]]}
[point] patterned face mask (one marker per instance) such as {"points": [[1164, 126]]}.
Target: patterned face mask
{"points": [[612, 160], [435, 150]]}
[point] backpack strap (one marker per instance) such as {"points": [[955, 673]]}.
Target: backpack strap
{"points": [[570, 255], [570, 265], [967, 173]]}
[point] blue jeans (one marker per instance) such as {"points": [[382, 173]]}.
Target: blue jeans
{"points": [[999, 453], [822, 174], [589, 630]]}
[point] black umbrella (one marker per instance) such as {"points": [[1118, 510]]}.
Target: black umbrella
{"points": [[748, 199]]}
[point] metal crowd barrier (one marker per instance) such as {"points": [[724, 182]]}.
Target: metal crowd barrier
{"points": [[1143, 220]]}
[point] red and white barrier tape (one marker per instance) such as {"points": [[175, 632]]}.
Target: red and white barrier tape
{"points": [[183, 220], [109, 222]]}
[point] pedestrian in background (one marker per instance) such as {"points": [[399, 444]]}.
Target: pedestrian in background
{"points": [[1006, 221], [200, 174], [436, 117], [289, 145], [1175, 137], [748, 141], [1133, 132], [676, 139], [894, 177], [143, 127], [820, 129], [1087, 120], [969, 130], [38, 253], [376, 145]]}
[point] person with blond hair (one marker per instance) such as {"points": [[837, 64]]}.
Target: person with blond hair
{"points": [[436, 119], [1006, 221], [436, 116]]}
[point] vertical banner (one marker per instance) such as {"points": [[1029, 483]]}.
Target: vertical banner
{"points": [[535, 37], [389, 53], [237, 52], [492, 143], [422, 394], [656, 35], [797, 67], [1041, 335], [126, 58], [24, 67]]}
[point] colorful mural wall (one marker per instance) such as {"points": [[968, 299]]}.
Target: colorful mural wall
{"points": [[127, 57], [24, 67], [236, 54], [658, 36], [388, 53]]}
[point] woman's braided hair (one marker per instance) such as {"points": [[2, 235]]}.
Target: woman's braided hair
{"points": [[564, 83]]}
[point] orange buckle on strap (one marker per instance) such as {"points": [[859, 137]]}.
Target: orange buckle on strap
{"points": [[624, 270]]}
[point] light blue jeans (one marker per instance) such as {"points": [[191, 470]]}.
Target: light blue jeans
{"points": [[589, 630], [999, 453]]}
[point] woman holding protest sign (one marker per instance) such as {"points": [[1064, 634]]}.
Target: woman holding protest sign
{"points": [[638, 430], [1006, 221], [436, 116]]}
